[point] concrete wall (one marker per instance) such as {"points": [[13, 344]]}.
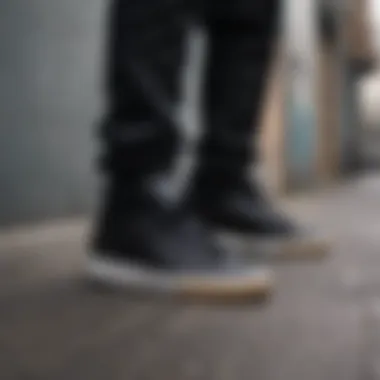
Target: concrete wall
{"points": [[49, 100], [301, 44]]}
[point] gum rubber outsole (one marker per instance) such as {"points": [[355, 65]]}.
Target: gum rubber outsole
{"points": [[307, 249], [265, 249]]}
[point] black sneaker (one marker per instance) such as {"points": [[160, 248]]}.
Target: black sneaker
{"points": [[140, 243], [238, 207]]}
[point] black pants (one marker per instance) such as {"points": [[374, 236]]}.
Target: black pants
{"points": [[146, 44]]}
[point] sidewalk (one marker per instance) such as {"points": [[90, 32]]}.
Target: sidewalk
{"points": [[322, 324]]}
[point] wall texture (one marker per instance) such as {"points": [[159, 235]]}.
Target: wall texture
{"points": [[49, 101]]}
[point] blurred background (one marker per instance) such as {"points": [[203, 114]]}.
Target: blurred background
{"points": [[51, 81], [320, 149]]}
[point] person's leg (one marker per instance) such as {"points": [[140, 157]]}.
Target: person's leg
{"points": [[243, 35], [139, 241], [144, 58], [242, 40]]}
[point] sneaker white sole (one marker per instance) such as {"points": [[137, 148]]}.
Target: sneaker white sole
{"points": [[255, 282]]}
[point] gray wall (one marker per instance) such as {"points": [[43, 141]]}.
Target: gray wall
{"points": [[49, 101], [50, 81]]}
